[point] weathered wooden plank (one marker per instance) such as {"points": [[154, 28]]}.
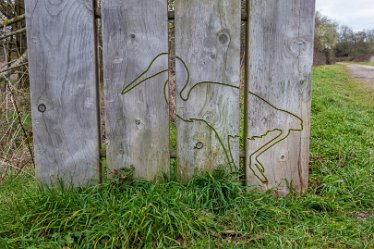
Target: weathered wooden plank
{"points": [[207, 78], [135, 32], [278, 100], [62, 57]]}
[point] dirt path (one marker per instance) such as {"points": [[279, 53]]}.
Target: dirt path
{"points": [[362, 73]]}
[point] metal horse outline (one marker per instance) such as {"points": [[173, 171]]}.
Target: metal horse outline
{"points": [[255, 165]]}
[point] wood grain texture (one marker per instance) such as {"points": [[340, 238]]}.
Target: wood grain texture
{"points": [[62, 64], [137, 122], [278, 97], [208, 41]]}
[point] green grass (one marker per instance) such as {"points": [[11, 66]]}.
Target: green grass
{"points": [[362, 63], [368, 63], [214, 210]]}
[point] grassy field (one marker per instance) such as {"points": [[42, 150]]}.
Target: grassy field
{"points": [[367, 63], [216, 211], [361, 63]]}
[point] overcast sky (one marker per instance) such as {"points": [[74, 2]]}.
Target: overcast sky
{"points": [[357, 14]]}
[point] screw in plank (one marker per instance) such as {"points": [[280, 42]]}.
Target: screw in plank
{"points": [[42, 108], [199, 146]]}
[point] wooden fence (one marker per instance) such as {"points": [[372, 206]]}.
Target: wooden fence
{"points": [[65, 88]]}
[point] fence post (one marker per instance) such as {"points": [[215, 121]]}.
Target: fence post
{"points": [[135, 40], [207, 78], [62, 65], [278, 93]]}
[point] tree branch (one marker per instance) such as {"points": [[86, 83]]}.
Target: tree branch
{"points": [[12, 68], [8, 22], [19, 62], [13, 33], [7, 9]]}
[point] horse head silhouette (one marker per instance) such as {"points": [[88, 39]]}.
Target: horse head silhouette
{"points": [[208, 114]]}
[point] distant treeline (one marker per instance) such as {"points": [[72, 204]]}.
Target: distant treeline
{"points": [[339, 42]]}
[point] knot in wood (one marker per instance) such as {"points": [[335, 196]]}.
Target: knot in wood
{"points": [[297, 46], [210, 117], [223, 37]]}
